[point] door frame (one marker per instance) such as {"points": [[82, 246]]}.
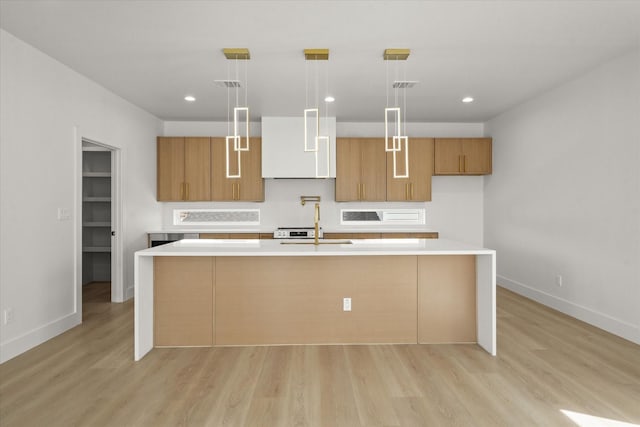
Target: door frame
{"points": [[117, 272]]}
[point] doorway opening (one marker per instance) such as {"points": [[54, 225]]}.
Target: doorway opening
{"points": [[100, 265]]}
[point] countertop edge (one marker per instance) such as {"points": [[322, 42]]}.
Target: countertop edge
{"points": [[275, 248]]}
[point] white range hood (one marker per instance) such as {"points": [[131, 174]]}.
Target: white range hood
{"points": [[283, 154]]}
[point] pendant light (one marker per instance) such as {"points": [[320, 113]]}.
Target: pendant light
{"points": [[240, 137], [313, 137], [395, 139]]}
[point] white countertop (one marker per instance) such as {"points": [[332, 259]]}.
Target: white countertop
{"points": [[268, 247], [335, 229], [144, 271]]}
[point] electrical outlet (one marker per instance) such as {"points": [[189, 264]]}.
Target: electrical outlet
{"points": [[559, 280], [346, 304], [7, 315]]}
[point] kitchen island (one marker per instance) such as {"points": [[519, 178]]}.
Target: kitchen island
{"points": [[268, 292]]}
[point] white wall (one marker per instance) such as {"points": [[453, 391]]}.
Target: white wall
{"points": [[564, 197], [455, 211], [42, 102]]}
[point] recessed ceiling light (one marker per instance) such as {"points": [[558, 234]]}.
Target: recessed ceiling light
{"points": [[190, 98], [467, 99], [329, 98]]}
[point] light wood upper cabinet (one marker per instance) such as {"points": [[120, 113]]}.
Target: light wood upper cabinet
{"points": [[170, 156], [184, 169], [417, 187], [463, 156], [250, 186], [360, 169], [194, 169], [197, 168]]}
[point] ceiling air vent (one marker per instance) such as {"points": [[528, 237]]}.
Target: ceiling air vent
{"points": [[227, 83], [403, 84]]}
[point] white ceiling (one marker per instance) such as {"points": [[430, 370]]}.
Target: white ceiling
{"points": [[502, 53]]}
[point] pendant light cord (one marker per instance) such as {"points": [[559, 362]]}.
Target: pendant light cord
{"points": [[228, 102], [246, 85], [316, 79], [404, 99], [386, 81], [237, 82], [326, 104]]}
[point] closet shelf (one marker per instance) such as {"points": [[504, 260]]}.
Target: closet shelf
{"points": [[96, 174], [96, 249]]}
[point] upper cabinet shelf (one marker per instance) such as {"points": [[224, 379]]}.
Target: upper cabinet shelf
{"points": [[96, 199], [96, 174], [463, 156]]}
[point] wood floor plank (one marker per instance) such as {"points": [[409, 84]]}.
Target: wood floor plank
{"points": [[442, 406], [394, 372], [371, 396], [337, 400], [546, 362]]}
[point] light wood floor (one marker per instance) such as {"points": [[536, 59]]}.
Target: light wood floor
{"points": [[546, 362]]}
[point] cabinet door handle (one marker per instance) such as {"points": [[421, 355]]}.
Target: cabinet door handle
{"points": [[460, 166], [183, 191], [364, 191], [465, 162], [238, 184], [359, 192], [406, 191], [233, 191], [411, 186]]}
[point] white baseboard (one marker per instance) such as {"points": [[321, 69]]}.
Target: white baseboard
{"points": [[128, 293], [16, 346], [603, 321]]}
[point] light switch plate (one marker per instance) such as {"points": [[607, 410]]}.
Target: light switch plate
{"points": [[64, 214], [346, 304]]}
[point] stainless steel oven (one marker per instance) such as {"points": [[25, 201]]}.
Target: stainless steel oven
{"points": [[297, 233], [157, 239]]}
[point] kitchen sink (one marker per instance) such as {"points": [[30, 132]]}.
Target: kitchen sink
{"points": [[323, 242]]}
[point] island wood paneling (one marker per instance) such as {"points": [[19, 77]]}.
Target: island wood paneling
{"points": [[183, 301], [447, 299], [298, 300]]}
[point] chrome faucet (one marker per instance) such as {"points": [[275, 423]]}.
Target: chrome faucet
{"points": [[316, 224]]}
